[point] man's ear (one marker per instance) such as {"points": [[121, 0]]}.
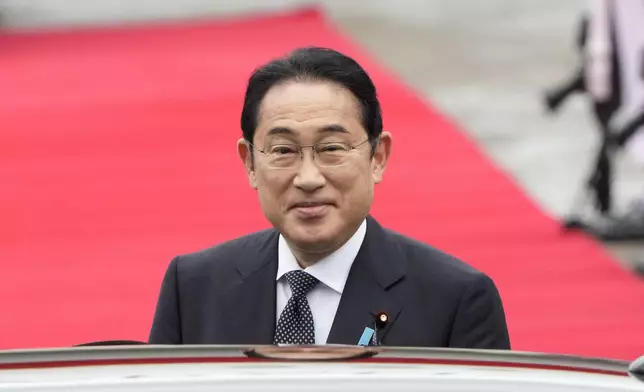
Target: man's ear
{"points": [[381, 156], [246, 155]]}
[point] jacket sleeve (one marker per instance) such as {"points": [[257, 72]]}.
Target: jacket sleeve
{"points": [[166, 326], [480, 319]]}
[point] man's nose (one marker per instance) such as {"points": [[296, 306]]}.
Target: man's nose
{"points": [[309, 177]]}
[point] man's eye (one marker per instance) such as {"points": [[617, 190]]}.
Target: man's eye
{"points": [[333, 148], [282, 150]]}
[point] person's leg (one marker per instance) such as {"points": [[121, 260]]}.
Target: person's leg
{"points": [[556, 97]]}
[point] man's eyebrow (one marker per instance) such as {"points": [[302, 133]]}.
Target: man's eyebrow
{"points": [[280, 131], [334, 128]]}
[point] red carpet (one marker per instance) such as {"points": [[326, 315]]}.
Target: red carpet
{"points": [[117, 152]]}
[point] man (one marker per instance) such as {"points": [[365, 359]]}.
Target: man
{"points": [[313, 148]]}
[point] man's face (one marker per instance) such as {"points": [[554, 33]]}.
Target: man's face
{"points": [[316, 208]]}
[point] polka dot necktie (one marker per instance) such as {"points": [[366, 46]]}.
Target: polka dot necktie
{"points": [[295, 325]]}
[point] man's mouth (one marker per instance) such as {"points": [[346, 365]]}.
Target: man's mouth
{"points": [[310, 204], [311, 209]]}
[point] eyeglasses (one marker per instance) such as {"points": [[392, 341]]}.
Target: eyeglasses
{"points": [[328, 154]]}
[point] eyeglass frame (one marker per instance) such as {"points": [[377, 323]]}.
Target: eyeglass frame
{"points": [[300, 147]]}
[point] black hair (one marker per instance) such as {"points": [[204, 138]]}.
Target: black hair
{"points": [[313, 64]]}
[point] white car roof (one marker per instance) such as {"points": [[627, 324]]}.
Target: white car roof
{"points": [[217, 368]]}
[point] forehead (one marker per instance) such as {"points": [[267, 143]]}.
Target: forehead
{"points": [[308, 108]]}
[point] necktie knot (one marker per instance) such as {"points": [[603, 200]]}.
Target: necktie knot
{"points": [[301, 282]]}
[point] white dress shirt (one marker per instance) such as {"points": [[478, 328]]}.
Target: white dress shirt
{"points": [[332, 272]]}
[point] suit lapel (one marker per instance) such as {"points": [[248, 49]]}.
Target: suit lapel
{"points": [[378, 266], [249, 306]]}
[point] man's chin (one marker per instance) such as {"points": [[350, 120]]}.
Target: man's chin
{"points": [[311, 239]]}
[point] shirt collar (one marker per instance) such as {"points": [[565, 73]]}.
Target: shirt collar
{"points": [[332, 270]]}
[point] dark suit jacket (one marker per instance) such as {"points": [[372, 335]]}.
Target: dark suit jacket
{"points": [[226, 295]]}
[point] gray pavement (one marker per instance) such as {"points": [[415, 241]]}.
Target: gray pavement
{"points": [[487, 71]]}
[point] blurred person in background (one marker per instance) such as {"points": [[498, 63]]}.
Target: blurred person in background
{"points": [[314, 148], [611, 75]]}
